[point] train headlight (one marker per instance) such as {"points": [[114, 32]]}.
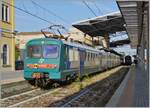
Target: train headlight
{"points": [[51, 65], [30, 65]]}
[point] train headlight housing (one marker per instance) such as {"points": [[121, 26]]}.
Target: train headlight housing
{"points": [[42, 65]]}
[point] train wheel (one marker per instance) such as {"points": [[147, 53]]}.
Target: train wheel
{"points": [[32, 82], [36, 83], [55, 85], [43, 83], [39, 83], [68, 80]]}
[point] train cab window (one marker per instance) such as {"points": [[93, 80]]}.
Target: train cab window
{"points": [[34, 51], [50, 51]]}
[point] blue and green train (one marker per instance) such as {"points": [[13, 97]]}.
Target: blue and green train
{"points": [[59, 60]]}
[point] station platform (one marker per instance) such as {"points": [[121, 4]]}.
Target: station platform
{"points": [[11, 76], [134, 89]]}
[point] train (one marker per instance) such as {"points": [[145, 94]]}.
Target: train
{"points": [[55, 60], [128, 60]]}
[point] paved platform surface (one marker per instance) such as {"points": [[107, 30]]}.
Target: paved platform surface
{"points": [[134, 89], [11, 76]]}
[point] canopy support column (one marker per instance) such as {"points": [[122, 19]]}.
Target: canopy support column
{"points": [[106, 37]]}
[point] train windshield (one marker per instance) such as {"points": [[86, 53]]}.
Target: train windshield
{"points": [[45, 51], [50, 51], [34, 51]]}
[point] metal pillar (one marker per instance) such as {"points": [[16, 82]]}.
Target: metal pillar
{"points": [[142, 49], [148, 40], [106, 37]]}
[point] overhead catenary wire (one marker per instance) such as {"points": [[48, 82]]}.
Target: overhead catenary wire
{"points": [[89, 8], [24, 7], [36, 7], [98, 8], [50, 12], [28, 12]]}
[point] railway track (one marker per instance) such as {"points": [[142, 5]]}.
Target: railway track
{"points": [[75, 94], [19, 99], [83, 92], [97, 98], [15, 88]]}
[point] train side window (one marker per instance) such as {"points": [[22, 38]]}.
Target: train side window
{"points": [[84, 55], [66, 52], [70, 54], [73, 54], [92, 56], [76, 55], [88, 56]]}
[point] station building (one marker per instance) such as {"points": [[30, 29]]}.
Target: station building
{"points": [[77, 35], [22, 38], [7, 41]]}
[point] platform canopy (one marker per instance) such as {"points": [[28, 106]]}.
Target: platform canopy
{"points": [[132, 12], [101, 25], [119, 42]]}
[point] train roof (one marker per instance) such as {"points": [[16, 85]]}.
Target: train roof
{"points": [[111, 51], [78, 45], [74, 44], [82, 46], [42, 39]]}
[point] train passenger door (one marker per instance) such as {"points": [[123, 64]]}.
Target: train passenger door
{"points": [[100, 59], [66, 58], [82, 58]]}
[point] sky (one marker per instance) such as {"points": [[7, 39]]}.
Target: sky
{"points": [[70, 11]]}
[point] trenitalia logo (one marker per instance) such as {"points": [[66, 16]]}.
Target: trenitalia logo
{"points": [[41, 60], [41, 66]]}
